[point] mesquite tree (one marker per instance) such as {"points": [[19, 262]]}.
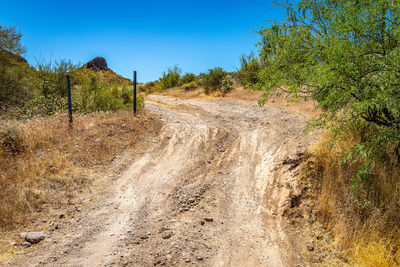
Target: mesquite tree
{"points": [[346, 55]]}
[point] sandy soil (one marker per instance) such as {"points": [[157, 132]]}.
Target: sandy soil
{"points": [[206, 192]]}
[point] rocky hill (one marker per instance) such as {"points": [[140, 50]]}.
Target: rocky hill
{"points": [[99, 68]]}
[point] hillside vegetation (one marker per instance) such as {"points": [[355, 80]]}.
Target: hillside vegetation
{"points": [[27, 91]]}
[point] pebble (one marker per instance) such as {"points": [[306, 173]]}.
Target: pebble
{"points": [[34, 237], [27, 244], [208, 219]]}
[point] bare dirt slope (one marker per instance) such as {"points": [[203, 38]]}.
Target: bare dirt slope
{"points": [[205, 193]]}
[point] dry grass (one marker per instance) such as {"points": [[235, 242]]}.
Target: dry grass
{"points": [[365, 227], [52, 164]]}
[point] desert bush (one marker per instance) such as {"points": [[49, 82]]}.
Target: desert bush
{"points": [[249, 70], [52, 76], [170, 78], [150, 87], [95, 96], [216, 80], [11, 140], [44, 106], [187, 78], [17, 82], [226, 85], [190, 86]]}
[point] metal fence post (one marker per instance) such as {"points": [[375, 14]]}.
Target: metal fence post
{"points": [[69, 100], [134, 92]]}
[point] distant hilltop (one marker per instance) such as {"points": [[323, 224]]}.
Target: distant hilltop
{"points": [[97, 64], [100, 67]]}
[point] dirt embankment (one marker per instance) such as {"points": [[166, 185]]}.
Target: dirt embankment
{"points": [[210, 191]]}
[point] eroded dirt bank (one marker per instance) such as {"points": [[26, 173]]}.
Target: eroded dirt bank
{"points": [[206, 193]]}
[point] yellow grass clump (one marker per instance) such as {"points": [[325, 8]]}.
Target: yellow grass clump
{"points": [[366, 225]]}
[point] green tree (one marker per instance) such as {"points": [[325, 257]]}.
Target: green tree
{"points": [[216, 79], [52, 76], [187, 78], [249, 70], [171, 77], [14, 71], [10, 40], [345, 54]]}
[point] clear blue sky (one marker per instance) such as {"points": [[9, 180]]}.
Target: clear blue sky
{"points": [[148, 36]]}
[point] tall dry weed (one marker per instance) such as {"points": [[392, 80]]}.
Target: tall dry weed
{"points": [[366, 224]]}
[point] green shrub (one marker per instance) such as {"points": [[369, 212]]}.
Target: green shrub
{"points": [[44, 106], [187, 78], [51, 76], [150, 87], [249, 70], [189, 86], [216, 80], [170, 78], [226, 85]]}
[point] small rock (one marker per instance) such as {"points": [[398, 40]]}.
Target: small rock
{"points": [[62, 216], [35, 237], [202, 222], [14, 244], [85, 201], [97, 140], [27, 244], [167, 235], [22, 235], [199, 258], [208, 219], [310, 247]]}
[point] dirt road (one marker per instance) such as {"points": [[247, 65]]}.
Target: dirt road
{"points": [[206, 192]]}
